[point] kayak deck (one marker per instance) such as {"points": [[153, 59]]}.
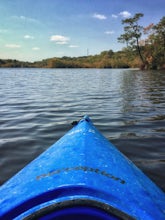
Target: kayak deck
{"points": [[82, 174]]}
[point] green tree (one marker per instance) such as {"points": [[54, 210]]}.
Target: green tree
{"points": [[132, 34]]}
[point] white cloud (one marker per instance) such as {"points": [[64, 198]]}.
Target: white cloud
{"points": [[35, 48], [23, 18], [125, 14], [99, 16], [28, 37], [59, 39], [13, 46], [109, 32], [73, 46], [114, 16]]}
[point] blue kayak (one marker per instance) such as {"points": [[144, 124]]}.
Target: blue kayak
{"points": [[81, 176]]}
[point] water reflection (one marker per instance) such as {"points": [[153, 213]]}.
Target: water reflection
{"points": [[141, 105]]}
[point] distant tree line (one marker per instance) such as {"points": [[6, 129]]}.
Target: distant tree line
{"points": [[14, 63], [148, 53], [106, 59]]}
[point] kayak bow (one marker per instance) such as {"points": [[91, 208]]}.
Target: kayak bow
{"points": [[81, 176]]}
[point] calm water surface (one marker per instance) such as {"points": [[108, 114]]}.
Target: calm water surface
{"points": [[37, 107]]}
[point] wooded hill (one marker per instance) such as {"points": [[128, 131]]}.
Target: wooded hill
{"points": [[106, 59]]}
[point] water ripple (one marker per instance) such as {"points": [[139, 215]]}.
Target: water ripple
{"points": [[37, 107]]}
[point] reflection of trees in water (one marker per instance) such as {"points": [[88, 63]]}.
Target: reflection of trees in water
{"points": [[142, 89], [143, 101]]}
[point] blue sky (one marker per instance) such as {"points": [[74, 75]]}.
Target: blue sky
{"points": [[32, 30]]}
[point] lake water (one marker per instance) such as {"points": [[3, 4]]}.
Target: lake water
{"points": [[37, 107]]}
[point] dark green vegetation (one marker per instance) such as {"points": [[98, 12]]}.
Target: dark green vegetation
{"points": [[148, 53]]}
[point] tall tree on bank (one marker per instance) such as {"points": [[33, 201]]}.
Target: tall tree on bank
{"points": [[132, 34]]}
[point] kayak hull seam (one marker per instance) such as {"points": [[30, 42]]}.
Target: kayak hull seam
{"points": [[79, 202]]}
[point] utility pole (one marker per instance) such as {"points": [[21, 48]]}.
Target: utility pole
{"points": [[87, 52]]}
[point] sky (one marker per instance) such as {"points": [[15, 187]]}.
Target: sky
{"points": [[32, 30]]}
